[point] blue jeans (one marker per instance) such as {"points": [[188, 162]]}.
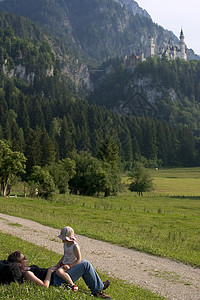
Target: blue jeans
{"points": [[87, 271]]}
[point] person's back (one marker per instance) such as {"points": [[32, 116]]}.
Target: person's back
{"points": [[9, 272]]}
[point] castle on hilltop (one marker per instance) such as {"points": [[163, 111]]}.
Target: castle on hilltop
{"points": [[171, 52]]}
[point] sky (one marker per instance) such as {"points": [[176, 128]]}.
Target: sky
{"points": [[174, 15]]}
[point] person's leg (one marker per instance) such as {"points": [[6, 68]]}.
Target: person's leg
{"points": [[64, 275], [87, 271], [89, 275]]}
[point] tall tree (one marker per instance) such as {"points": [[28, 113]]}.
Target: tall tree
{"points": [[11, 164], [47, 149], [108, 151], [162, 143], [62, 172], [149, 139], [187, 147], [33, 149], [66, 144], [93, 176]]}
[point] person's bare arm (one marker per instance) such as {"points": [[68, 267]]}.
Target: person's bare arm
{"points": [[59, 263], [30, 276]]}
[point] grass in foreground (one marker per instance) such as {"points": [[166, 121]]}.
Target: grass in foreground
{"points": [[45, 258], [160, 225]]}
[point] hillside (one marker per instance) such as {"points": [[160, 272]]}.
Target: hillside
{"points": [[157, 88], [83, 34], [43, 79], [33, 36], [94, 30]]}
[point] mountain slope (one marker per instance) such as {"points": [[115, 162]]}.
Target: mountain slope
{"points": [[134, 7], [94, 30], [41, 118], [158, 88], [25, 65]]}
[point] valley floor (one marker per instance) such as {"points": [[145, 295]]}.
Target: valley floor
{"points": [[168, 278]]}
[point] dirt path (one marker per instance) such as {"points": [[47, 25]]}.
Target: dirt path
{"points": [[168, 278]]}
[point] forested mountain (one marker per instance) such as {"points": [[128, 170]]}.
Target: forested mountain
{"points": [[159, 88], [27, 40], [44, 70], [94, 30]]}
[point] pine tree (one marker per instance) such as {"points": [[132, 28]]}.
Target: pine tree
{"points": [[23, 116], [33, 149], [187, 147], [162, 143], [108, 151], [47, 149], [149, 139]]}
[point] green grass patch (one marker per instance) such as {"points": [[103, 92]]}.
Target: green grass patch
{"points": [[45, 258], [164, 224], [15, 224], [180, 181]]}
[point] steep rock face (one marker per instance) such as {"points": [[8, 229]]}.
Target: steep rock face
{"points": [[94, 30], [143, 98], [134, 7], [77, 72], [20, 71]]}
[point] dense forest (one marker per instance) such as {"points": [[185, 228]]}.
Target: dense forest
{"points": [[46, 116], [160, 88], [48, 124]]}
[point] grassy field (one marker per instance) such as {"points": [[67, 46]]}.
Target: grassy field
{"points": [[44, 258], [181, 182], [165, 222]]}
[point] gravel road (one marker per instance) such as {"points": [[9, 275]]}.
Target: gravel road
{"points": [[173, 280]]}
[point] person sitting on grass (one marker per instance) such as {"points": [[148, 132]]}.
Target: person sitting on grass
{"points": [[71, 257], [45, 277]]}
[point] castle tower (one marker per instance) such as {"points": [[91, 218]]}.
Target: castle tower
{"points": [[183, 54], [151, 47], [142, 56]]}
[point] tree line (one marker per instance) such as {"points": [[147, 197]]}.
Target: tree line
{"points": [[46, 118], [80, 173], [49, 126]]}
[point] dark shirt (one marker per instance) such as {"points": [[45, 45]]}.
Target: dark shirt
{"points": [[40, 273]]}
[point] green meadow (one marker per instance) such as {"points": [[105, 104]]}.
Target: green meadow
{"points": [[45, 258], [165, 222], [181, 182]]}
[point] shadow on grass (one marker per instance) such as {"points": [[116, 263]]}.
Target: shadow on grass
{"points": [[185, 197]]}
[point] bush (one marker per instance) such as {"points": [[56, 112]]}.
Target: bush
{"points": [[93, 176], [141, 180], [41, 182]]}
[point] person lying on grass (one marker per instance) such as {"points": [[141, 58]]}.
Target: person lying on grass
{"points": [[45, 277]]}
